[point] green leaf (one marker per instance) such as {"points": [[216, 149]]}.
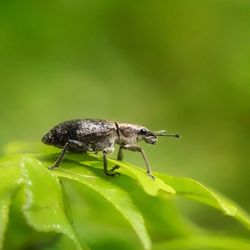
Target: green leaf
{"points": [[194, 190], [111, 192], [4, 212], [87, 169], [204, 243], [11, 181], [149, 185], [44, 208], [183, 186]]}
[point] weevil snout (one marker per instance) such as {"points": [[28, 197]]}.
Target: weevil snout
{"points": [[146, 135], [150, 138]]}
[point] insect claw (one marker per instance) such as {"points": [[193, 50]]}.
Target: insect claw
{"points": [[114, 168], [151, 176], [113, 174], [51, 167]]}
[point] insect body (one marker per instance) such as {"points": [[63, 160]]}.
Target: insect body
{"points": [[86, 135]]}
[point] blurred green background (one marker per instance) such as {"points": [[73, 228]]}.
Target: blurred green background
{"points": [[178, 65]]}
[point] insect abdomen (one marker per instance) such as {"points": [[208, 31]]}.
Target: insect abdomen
{"points": [[94, 135], [61, 133]]}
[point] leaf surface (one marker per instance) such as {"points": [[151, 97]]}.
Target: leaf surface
{"points": [[192, 189], [44, 208], [205, 243], [107, 188], [11, 181]]}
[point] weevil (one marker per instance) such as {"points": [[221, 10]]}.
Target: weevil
{"points": [[95, 135]]}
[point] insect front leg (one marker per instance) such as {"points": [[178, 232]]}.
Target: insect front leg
{"points": [[119, 158], [105, 164], [136, 148]]}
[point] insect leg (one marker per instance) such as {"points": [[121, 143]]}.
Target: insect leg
{"points": [[136, 148], [105, 165], [77, 146], [60, 157], [64, 151], [119, 158]]}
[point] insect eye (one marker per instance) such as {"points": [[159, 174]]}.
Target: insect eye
{"points": [[143, 131]]}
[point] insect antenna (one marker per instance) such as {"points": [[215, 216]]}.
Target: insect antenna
{"points": [[164, 133]]}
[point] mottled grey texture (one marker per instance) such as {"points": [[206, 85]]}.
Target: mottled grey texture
{"points": [[91, 135]]}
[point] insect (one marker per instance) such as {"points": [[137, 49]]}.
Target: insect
{"points": [[95, 135]]}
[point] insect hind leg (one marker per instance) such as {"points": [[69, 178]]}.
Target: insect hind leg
{"points": [[70, 146], [77, 146]]}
